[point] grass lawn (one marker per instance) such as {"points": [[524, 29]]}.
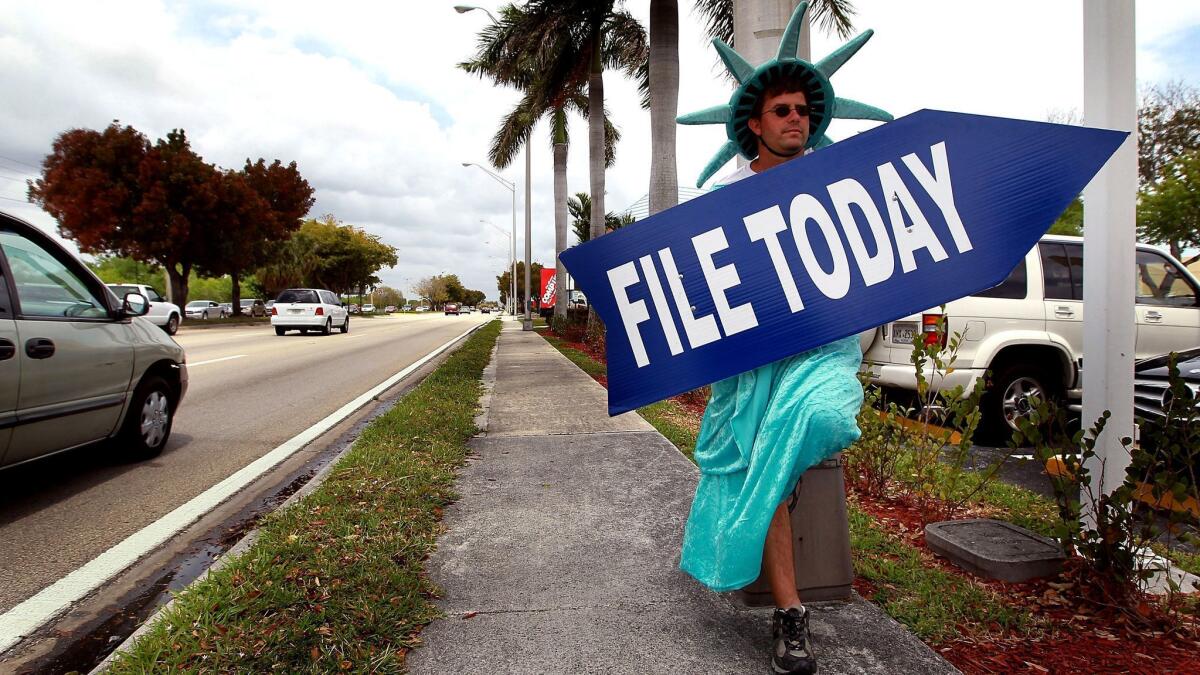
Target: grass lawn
{"points": [[336, 582]]}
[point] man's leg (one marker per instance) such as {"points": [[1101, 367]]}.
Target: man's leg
{"points": [[790, 650], [778, 559]]}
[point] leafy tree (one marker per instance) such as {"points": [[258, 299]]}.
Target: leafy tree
{"points": [[263, 205], [1169, 213], [1168, 128], [1071, 220], [504, 281], [432, 290], [114, 269], [386, 295], [112, 192], [115, 193], [473, 297]]}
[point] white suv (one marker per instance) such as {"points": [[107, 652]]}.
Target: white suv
{"points": [[1028, 331], [163, 314], [306, 309]]}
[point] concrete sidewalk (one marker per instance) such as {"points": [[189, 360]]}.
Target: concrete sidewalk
{"points": [[562, 554]]}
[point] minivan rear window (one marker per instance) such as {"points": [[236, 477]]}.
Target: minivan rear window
{"points": [[294, 295]]}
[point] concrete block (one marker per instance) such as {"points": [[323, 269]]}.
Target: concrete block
{"points": [[995, 549]]}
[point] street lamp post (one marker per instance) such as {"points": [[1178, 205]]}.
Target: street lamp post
{"points": [[512, 257], [512, 187]]}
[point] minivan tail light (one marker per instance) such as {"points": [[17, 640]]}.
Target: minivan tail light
{"points": [[320, 311], [929, 327]]}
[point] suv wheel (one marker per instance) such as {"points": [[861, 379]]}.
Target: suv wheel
{"points": [[172, 324], [1009, 398], [148, 422]]}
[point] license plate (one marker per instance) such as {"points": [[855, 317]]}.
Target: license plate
{"points": [[902, 333], [295, 311]]}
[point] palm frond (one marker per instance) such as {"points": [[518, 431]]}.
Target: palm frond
{"points": [[718, 19]]}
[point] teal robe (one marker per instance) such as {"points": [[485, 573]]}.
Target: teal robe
{"points": [[762, 430]]}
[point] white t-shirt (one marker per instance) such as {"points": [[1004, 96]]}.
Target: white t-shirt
{"points": [[744, 172]]}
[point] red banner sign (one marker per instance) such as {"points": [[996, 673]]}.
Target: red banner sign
{"points": [[549, 287]]}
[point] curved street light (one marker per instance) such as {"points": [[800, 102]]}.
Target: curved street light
{"points": [[512, 187], [512, 296]]}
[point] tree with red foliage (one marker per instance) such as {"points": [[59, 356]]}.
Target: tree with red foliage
{"points": [[261, 206], [113, 192]]}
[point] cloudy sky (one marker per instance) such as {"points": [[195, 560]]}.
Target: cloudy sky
{"points": [[364, 96]]}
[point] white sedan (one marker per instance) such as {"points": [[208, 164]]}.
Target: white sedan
{"points": [[204, 309]]}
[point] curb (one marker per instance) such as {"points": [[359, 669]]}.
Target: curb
{"points": [[250, 537]]}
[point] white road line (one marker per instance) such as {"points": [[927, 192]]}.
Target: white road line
{"points": [[223, 358], [25, 618]]}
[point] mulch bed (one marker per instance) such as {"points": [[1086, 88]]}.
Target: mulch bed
{"points": [[1085, 636]]}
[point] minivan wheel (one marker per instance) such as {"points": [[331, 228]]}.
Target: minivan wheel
{"points": [[280, 331], [148, 422], [172, 324], [328, 327], [345, 326]]}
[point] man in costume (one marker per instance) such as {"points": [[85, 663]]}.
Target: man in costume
{"points": [[764, 428]]}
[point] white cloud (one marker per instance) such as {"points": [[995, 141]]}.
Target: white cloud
{"points": [[364, 96]]}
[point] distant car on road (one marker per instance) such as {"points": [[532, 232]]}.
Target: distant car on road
{"points": [[163, 314], [254, 307], [389, 309], [306, 309], [368, 308], [353, 308], [86, 369], [422, 308], [450, 308], [485, 310], [204, 309]]}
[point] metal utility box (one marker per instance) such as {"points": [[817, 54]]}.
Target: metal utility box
{"points": [[821, 540]]}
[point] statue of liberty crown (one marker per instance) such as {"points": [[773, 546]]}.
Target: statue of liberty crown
{"points": [[752, 82]]}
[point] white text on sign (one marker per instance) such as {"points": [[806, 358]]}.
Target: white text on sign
{"points": [[905, 232]]}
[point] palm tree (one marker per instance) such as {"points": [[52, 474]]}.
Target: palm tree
{"points": [[580, 207], [598, 35], [831, 15], [518, 52], [664, 103]]}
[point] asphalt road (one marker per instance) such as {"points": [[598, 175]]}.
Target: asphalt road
{"points": [[250, 391]]}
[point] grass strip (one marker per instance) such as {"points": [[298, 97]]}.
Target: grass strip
{"points": [[934, 604], [336, 581], [672, 420]]}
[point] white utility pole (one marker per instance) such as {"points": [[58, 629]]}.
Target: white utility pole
{"points": [[1109, 216]]}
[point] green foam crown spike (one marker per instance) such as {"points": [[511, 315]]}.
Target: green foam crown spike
{"points": [[753, 81]]}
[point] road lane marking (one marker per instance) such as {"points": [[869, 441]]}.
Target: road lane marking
{"points": [[37, 610], [223, 358]]}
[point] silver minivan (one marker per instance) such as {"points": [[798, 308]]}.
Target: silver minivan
{"points": [[77, 364]]}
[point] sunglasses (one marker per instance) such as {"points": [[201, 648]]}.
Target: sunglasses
{"points": [[783, 111]]}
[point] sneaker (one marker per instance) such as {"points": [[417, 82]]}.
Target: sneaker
{"points": [[791, 653]]}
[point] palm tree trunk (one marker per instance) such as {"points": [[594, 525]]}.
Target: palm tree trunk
{"points": [[596, 136], [664, 103], [560, 210]]}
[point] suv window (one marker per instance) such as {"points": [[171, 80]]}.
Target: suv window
{"points": [[45, 286], [1062, 270], [1159, 282], [299, 295], [1015, 287]]}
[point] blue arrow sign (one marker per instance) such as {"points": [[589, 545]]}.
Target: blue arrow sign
{"points": [[912, 214]]}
